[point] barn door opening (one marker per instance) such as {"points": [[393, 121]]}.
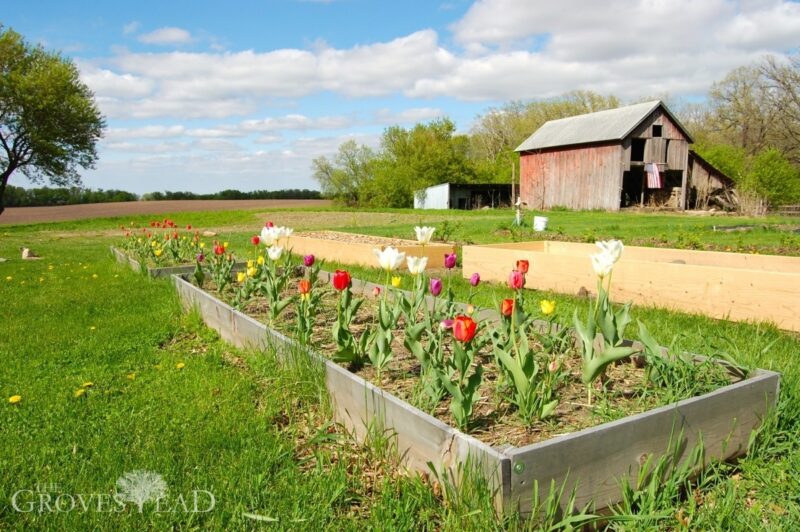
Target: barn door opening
{"points": [[632, 189]]}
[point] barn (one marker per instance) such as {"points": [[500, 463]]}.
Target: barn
{"points": [[634, 155]]}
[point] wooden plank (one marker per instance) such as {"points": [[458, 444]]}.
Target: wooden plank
{"points": [[362, 253], [594, 460], [742, 288]]}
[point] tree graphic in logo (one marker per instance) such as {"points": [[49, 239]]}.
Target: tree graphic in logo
{"points": [[141, 486]]}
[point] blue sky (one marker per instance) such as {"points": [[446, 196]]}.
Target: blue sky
{"points": [[204, 96]]}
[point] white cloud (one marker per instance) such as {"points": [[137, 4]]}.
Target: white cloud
{"points": [[168, 35], [298, 122], [407, 116], [130, 27]]}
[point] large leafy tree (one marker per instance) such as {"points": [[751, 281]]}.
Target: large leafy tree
{"points": [[49, 121]]}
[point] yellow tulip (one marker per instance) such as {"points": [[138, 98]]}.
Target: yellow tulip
{"points": [[225, 245], [260, 260], [547, 306], [202, 245], [251, 272], [240, 277], [158, 252], [249, 264], [396, 280]]}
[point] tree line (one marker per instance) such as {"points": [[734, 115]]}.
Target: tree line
{"points": [[47, 196], [748, 127]]}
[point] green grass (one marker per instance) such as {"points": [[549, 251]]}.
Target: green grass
{"points": [[256, 432]]}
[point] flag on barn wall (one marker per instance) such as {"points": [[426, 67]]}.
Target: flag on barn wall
{"points": [[653, 175]]}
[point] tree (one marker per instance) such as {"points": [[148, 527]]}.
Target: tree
{"points": [[343, 178], [49, 122], [413, 159]]}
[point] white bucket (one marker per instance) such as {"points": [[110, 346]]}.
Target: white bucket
{"points": [[540, 223]]}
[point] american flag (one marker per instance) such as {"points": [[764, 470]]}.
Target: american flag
{"points": [[653, 176]]}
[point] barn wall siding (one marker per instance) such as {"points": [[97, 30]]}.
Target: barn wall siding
{"points": [[578, 178]]}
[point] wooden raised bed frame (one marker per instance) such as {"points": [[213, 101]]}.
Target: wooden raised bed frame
{"points": [[592, 460], [733, 286], [361, 253]]}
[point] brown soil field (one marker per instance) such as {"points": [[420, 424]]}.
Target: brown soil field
{"points": [[28, 215]]}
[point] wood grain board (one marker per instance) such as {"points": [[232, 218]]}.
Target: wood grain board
{"points": [[732, 286]]}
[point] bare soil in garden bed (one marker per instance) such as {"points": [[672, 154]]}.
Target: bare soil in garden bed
{"points": [[351, 238], [494, 419]]}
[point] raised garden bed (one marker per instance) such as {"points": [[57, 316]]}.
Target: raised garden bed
{"points": [[593, 460], [348, 248], [733, 286], [152, 271]]}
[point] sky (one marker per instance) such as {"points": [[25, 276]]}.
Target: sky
{"points": [[204, 96]]}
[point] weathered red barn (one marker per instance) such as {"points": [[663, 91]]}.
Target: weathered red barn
{"points": [[600, 160]]}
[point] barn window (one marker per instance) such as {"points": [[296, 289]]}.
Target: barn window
{"points": [[656, 130], [637, 150]]}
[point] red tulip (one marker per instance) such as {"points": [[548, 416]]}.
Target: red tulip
{"points": [[269, 224], [516, 280], [304, 286], [376, 291], [256, 240], [189, 227], [219, 249], [341, 280], [522, 266], [507, 307], [464, 328]]}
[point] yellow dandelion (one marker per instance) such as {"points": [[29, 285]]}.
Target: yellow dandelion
{"points": [[547, 306], [92, 327], [260, 260], [131, 376], [87, 384], [180, 365], [202, 245], [9, 278], [240, 277], [14, 399], [396, 280], [79, 392], [94, 276]]}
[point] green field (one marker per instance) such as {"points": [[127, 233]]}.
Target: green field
{"points": [[167, 396]]}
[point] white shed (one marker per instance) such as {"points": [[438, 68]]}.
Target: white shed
{"points": [[463, 196]]}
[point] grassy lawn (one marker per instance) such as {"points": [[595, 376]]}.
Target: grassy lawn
{"points": [[167, 396]]}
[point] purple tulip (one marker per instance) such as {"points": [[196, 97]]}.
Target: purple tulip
{"points": [[475, 280], [436, 287], [200, 257], [450, 261], [308, 260]]}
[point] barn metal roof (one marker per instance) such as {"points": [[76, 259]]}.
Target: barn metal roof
{"points": [[602, 126]]}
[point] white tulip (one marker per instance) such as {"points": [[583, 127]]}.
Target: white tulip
{"points": [[268, 236], [612, 247], [275, 252], [390, 258], [416, 265], [424, 234], [603, 263]]}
